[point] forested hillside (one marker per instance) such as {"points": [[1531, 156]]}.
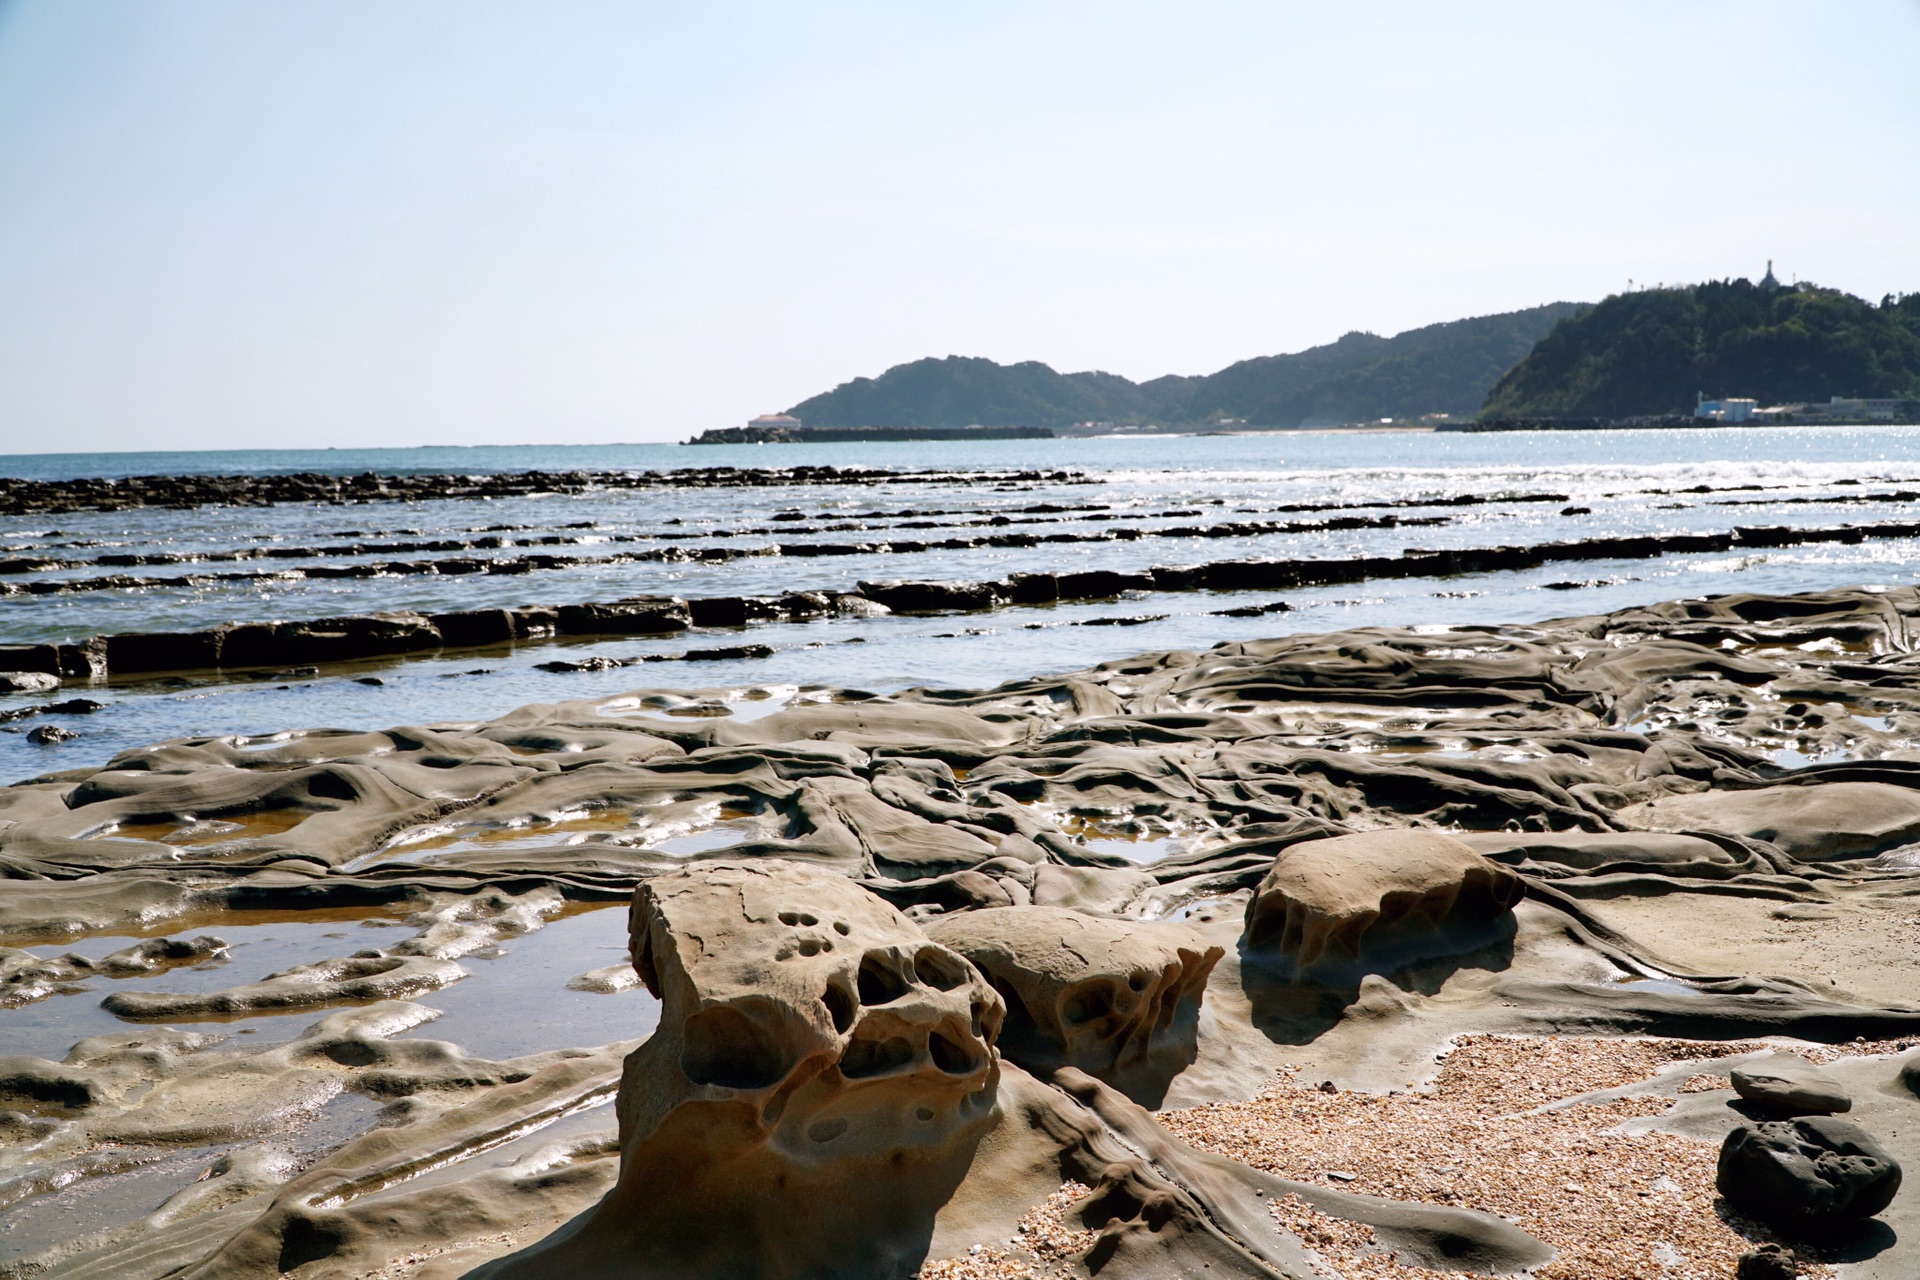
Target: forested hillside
{"points": [[1442, 368], [1653, 351]]}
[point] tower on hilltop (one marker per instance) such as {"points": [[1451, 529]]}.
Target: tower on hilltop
{"points": [[1768, 281]]}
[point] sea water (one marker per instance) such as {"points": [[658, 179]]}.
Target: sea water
{"points": [[1534, 486]]}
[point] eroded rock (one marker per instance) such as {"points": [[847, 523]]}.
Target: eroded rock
{"points": [[1807, 1176], [1378, 894], [821, 1077], [1115, 998]]}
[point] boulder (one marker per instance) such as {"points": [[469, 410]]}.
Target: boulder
{"points": [[28, 682], [1105, 995], [1377, 894], [1785, 1084], [1807, 1176], [820, 1079], [1768, 1262]]}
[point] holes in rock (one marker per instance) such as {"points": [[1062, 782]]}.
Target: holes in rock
{"points": [[840, 1008], [950, 1056], [923, 1114], [328, 785], [842, 928], [1138, 981], [939, 969], [875, 1057], [352, 1053], [826, 1130], [800, 918], [725, 1048], [1086, 1003], [814, 946], [880, 982]]}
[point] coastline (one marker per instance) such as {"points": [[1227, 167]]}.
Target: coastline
{"points": [[1618, 771]]}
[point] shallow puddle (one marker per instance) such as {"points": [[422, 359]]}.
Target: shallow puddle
{"points": [[518, 1002], [50, 1027], [93, 1205], [513, 1003], [204, 831]]}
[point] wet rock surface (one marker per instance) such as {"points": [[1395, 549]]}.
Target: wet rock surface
{"points": [[922, 961]]}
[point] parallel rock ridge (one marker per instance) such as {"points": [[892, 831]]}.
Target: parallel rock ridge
{"points": [[21, 496], [359, 637], [927, 964]]}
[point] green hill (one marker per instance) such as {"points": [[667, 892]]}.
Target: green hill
{"points": [[1652, 352], [1442, 368]]}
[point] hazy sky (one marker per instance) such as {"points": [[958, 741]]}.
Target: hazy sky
{"points": [[229, 223]]}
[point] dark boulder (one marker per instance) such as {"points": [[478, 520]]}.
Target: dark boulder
{"points": [[1806, 1177], [1768, 1262]]}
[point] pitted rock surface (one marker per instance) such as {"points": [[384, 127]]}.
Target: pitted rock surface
{"points": [[1115, 998], [822, 1075], [1808, 1176]]}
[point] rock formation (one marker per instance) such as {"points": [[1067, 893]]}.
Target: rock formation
{"points": [[1806, 1177], [916, 981], [821, 1078], [1115, 998], [1377, 895]]}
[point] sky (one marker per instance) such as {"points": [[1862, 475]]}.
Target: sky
{"points": [[227, 224]]}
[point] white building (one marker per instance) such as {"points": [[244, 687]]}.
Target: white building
{"points": [[1725, 410]]}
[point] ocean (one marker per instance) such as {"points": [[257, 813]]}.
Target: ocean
{"points": [[970, 511]]}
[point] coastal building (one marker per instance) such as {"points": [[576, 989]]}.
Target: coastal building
{"points": [[774, 422], [1736, 410], [1873, 410]]}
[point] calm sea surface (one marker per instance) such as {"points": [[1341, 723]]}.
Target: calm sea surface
{"points": [[1130, 503]]}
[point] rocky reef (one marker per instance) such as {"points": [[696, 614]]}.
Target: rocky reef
{"points": [[962, 983]]}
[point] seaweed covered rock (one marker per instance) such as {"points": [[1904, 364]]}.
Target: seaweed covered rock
{"points": [[1807, 1176], [1378, 895], [1111, 997], [820, 1079]]}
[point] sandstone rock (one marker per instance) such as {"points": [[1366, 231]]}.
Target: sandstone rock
{"points": [[1107, 996], [1378, 892], [28, 682], [1786, 1084], [372, 976], [1804, 1177], [820, 1079], [1816, 823]]}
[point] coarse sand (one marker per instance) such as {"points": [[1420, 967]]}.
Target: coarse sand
{"points": [[1613, 1205], [1486, 1135]]}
